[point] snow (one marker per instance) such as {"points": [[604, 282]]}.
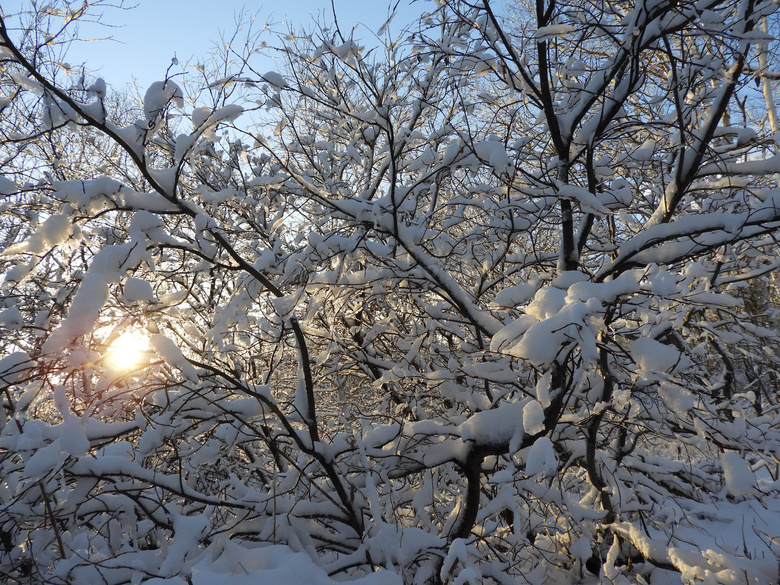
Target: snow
{"points": [[569, 325], [132, 136], [231, 563], [52, 232], [83, 313], [678, 399], [170, 352], [26, 81], [581, 549], [533, 417], [275, 79], [553, 30], [107, 267], [165, 180], [739, 479], [515, 295], [228, 113], [44, 460], [655, 357], [19, 272], [451, 153], [543, 389], [150, 226], [541, 458], [663, 283], [98, 88], [733, 544], [12, 366], [495, 154], [199, 116], [547, 303], [137, 290], [399, 546], [7, 186], [184, 144], [588, 202], [73, 437], [187, 534], [497, 426], [457, 567], [159, 95], [11, 318], [301, 405], [426, 287], [90, 195], [644, 152]]}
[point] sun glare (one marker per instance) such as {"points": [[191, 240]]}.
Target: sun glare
{"points": [[126, 351]]}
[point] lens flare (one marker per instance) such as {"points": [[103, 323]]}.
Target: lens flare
{"points": [[127, 351]]}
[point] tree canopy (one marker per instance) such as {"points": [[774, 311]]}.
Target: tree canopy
{"points": [[488, 301]]}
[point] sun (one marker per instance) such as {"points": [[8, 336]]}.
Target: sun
{"points": [[127, 351]]}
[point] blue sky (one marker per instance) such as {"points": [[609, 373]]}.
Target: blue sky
{"points": [[147, 37]]}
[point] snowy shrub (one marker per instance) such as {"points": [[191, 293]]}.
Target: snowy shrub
{"points": [[490, 302]]}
